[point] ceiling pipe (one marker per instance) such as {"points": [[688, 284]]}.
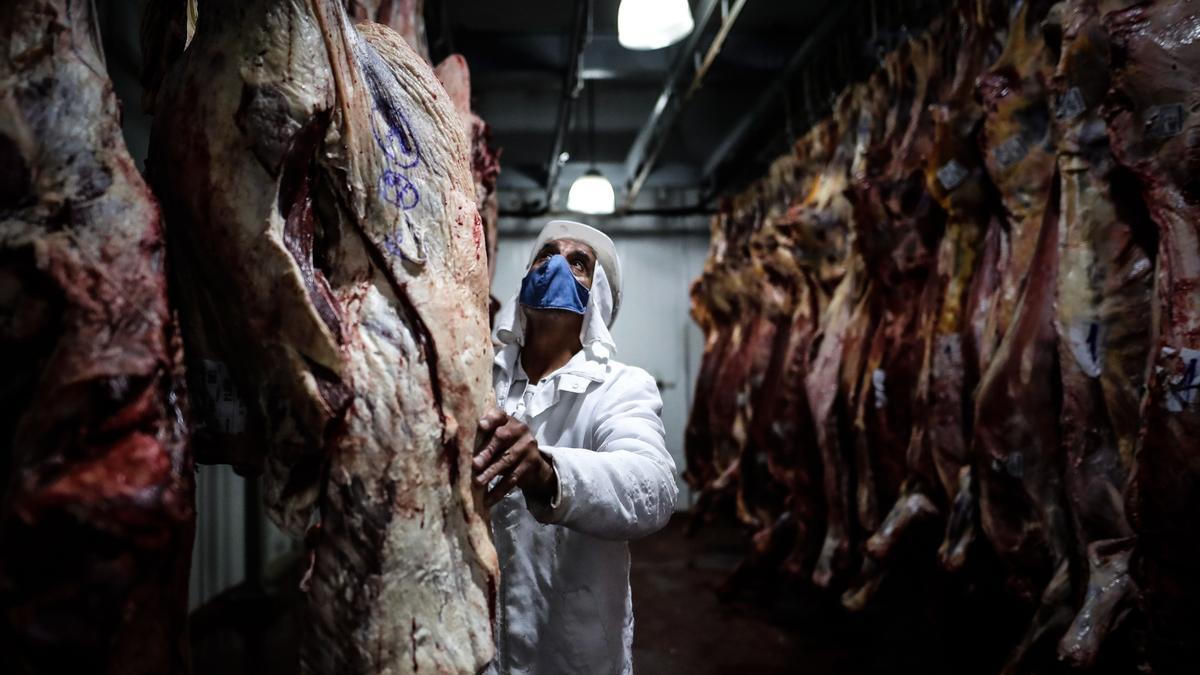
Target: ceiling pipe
{"points": [[570, 92], [652, 137], [835, 11]]}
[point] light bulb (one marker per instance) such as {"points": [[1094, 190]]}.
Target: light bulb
{"points": [[653, 24], [591, 193]]}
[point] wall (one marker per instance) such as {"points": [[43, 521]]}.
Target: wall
{"points": [[220, 557], [653, 330]]}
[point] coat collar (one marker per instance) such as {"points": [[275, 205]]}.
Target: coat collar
{"points": [[586, 363]]}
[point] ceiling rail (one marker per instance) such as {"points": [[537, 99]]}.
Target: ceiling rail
{"points": [[779, 89], [572, 85], [683, 81]]}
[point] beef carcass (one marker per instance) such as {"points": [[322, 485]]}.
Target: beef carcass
{"points": [[720, 295], [937, 460], [1106, 282], [1154, 130], [765, 469], [783, 424], [406, 17], [773, 476], [736, 286], [332, 283], [717, 327], [485, 160], [1016, 437], [96, 517], [788, 434], [840, 348], [910, 219], [776, 275]]}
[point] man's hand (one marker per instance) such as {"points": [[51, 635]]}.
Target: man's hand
{"points": [[511, 452]]}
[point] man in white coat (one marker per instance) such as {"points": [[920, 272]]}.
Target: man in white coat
{"points": [[575, 460]]}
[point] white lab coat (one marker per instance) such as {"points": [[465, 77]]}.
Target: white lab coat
{"points": [[564, 602]]}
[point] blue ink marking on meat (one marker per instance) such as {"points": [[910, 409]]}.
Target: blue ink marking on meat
{"points": [[1187, 392], [392, 243], [398, 144], [400, 153], [398, 189]]}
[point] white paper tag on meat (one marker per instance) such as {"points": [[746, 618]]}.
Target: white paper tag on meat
{"points": [[1164, 121], [1182, 388], [951, 175], [879, 386], [1071, 105], [1085, 339], [227, 408], [1010, 151]]}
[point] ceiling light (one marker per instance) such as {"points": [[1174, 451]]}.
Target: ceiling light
{"points": [[591, 193], [652, 24]]}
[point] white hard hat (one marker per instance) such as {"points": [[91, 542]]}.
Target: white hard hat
{"points": [[606, 253]]}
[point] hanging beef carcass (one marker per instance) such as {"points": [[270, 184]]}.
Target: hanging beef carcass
{"points": [[777, 273], [909, 220], [717, 327], [735, 287], [407, 17], [770, 302], [782, 425], [936, 456], [716, 306], [834, 372], [1104, 287], [333, 289], [763, 484], [892, 88], [96, 517], [485, 160], [785, 432], [787, 243], [820, 224], [1017, 438], [1154, 129]]}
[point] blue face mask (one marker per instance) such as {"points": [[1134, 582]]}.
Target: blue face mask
{"points": [[553, 286]]}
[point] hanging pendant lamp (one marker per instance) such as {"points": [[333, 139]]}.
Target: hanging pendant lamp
{"points": [[591, 192], [653, 24]]}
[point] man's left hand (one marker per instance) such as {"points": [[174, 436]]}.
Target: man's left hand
{"points": [[510, 451]]}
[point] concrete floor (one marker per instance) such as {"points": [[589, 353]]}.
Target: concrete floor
{"points": [[916, 624], [680, 625], [772, 625]]}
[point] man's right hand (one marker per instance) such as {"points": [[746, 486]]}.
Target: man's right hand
{"points": [[510, 451]]}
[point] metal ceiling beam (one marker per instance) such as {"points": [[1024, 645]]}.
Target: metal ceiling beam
{"points": [[835, 11], [572, 84], [544, 52], [684, 80]]}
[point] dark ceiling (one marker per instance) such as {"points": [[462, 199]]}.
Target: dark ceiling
{"points": [[774, 73], [519, 53]]}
